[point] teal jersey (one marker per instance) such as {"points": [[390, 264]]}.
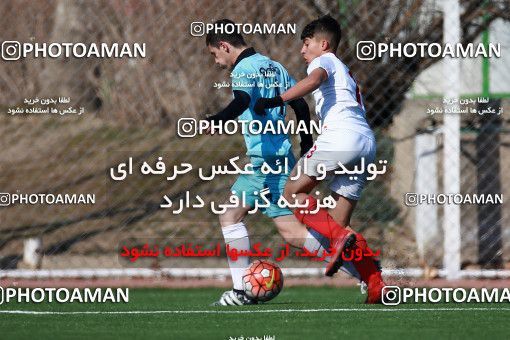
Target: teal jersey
{"points": [[260, 76]]}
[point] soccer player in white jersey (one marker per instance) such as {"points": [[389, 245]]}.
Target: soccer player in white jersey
{"points": [[346, 137]]}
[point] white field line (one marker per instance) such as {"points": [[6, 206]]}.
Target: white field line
{"points": [[478, 309]]}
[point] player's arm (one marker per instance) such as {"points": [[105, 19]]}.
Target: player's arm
{"points": [[302, 88], [302, 112], [306, 86], [233, 110]]}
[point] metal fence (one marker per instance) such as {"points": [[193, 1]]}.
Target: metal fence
{"points": [[131, 107]]}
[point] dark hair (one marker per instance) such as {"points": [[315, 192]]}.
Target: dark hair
{"points": [[326, 25], [218, 33]]}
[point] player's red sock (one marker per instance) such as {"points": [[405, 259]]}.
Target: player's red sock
{"points": [[366, 266], [361, 242], [321, 221]]}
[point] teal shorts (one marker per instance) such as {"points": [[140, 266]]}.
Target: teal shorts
{"points": [[252, 185]]}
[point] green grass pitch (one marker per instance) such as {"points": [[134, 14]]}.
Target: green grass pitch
{"points": [[298, 313]]}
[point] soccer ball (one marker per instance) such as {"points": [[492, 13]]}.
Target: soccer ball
{"points": [[262, 280]]}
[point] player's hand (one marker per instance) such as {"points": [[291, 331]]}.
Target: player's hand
{"points": [[266, 103]]}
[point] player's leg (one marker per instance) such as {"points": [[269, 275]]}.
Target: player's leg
{"points": [[347, 266], [367, 266], [294, 232], [342, 214], [297, 190], [291, 230], [298, 235], [343, 209], [346, 192], [236, 236]]}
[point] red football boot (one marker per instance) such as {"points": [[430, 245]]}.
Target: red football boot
{"points": [[375, 286], [341, 239], [322, 222]]}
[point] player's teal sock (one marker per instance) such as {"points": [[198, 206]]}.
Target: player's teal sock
{"points": [[236, 236]]}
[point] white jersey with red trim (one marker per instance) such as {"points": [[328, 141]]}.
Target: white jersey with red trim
{"points": [[338, 99]]}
